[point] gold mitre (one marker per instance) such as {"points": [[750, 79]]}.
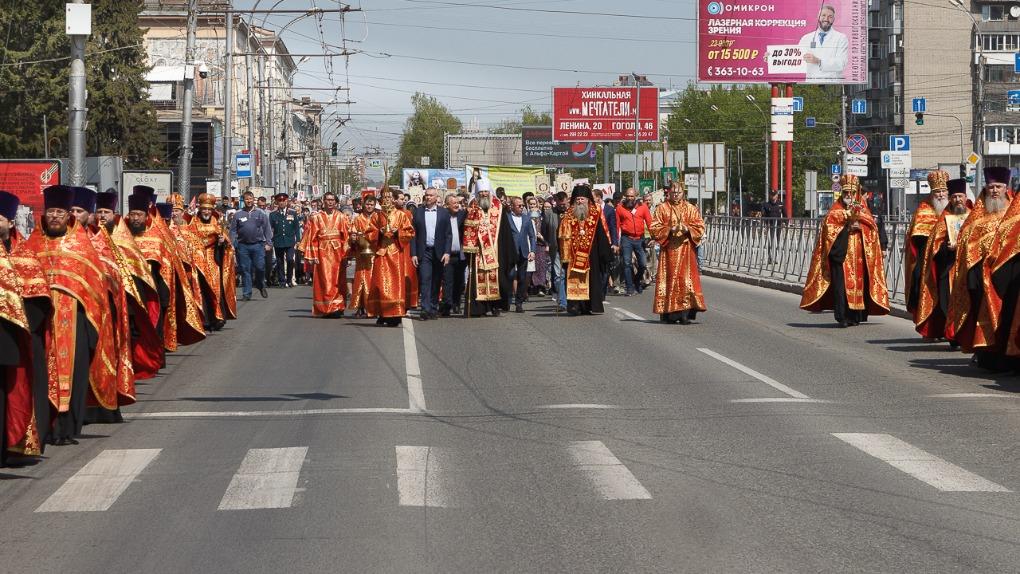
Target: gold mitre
{"points": [[938, 180], [176, 201], [207, 200], [850, 185]]}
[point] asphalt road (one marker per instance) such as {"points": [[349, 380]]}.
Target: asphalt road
{"points": [[760, 439]]}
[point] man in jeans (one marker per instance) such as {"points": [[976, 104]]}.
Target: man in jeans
{"points": [[632, 218], [551, 229], [252, 235], [286, 228]]}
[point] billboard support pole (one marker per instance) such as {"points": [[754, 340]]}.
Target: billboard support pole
{"points": [[76, 108], [789, 166], [228, 110]]}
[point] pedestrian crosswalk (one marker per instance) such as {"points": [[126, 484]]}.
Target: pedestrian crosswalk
{"points": [[271, 478]]}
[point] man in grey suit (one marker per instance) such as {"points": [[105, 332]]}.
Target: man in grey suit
{"points": [[523, 231]]}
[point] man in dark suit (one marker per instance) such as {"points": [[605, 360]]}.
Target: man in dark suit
{"points": [[455, 271], [523, 231], [430, 250]]}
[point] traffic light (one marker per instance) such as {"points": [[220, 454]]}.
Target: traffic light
{"points": [[332, 149], [1010, 136], [919, 118]]}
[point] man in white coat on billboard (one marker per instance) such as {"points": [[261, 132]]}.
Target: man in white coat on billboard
{"points": [[827, 49]]}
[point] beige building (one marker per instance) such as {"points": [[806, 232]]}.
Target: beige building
{"points": [[263, 72]]}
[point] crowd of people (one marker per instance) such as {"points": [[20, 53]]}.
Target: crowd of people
{"points": [[961, 270], [93, 300]]}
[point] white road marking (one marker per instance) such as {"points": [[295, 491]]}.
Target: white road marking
{"points": [[919, 464], [100, 482], [749, 371], [611, 478], [973, 396], [578, 406], [267, 478], [415, 392], [419, 477], [627, 313], [280, 413], [779, 400]]}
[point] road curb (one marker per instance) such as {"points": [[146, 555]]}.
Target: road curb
{"points": [[894, 309]]}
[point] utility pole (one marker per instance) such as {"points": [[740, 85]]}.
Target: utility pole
{"points": [[184, 171], [637, 131], [262, 115], [842, 109], [79, 26], [228, 108], [251, 101], [271, 135]]}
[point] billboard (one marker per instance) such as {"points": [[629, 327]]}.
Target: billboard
{"points": [[795, 41], [481, 149], [161, 181], [604, 114], [515, 180], [437, 178], [26, 178], [538, 148]]}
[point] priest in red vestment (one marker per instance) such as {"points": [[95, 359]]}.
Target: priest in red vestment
{"points": [[678, 227], [325, 246], [391, 233], [585, 252], [363, 254], [921, 225], [937, 265]]}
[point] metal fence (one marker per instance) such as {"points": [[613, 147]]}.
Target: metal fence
{"points": [[781, 248]]}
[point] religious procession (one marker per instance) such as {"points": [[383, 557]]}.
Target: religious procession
{"points": [[961, 272], [93, 300], [479, 255]]}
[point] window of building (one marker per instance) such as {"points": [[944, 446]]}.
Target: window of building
{"points": [[1000, 42], [1001, 74], [992, 13]]}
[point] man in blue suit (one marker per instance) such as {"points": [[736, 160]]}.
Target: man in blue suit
{"points": [[523, 232], [430, 250], [455, 271]]}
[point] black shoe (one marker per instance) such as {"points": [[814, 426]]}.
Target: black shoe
{"points": [[445, 312], [425, 316], [246, 298], [379, 321], [843, 324], [519, 309], [495, 312], [457, 310], [561, 309], [263, 292], [218, 324]]}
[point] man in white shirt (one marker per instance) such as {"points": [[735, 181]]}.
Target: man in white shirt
{"points": [[523, 231], [430, 250], [827, 49], [455, 271]]}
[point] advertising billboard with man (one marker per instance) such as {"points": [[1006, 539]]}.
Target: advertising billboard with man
{"points": [[795, 41]]}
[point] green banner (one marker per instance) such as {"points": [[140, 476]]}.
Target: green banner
{"points": [[516, 180], [646, 186]]}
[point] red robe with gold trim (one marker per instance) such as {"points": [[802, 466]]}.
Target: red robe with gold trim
{"points": [[326, 244], [971, 322], [391, 234], [921, 226], [362, 283], [219, 257], [678, 281], [929, 317], [147, 351]]}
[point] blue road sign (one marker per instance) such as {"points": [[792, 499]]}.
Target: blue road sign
{"points": [[859, 107], [1016, 63], [919, 105], [1013, 97], [857, 143], [798, 104], [809, 121], [899, 143], [836, 169], [243, 162]]}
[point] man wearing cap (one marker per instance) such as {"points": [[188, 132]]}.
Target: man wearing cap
{"points": [[139, 286], [489, 241], [24, 310], [921, 225], [1001, 278], [325, 245], [678, 228], [81, 338], [252, 236], [219, 255], [83, 209], [847, 272], [585, 252], [286, 227], [363, 254], [937, 264]]}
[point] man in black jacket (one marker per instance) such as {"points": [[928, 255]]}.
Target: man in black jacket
{"points": [[455, 271], [430, 250]]}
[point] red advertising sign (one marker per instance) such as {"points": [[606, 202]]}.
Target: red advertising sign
{"points": [[604, 114], [26, 178]]}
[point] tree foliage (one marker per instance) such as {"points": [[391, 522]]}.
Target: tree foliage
{"points": [[735, 121], [529, 117], [121, 121], [424, 134]]}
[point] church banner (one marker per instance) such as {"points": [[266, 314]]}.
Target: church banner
{"points": [[515, 180]]}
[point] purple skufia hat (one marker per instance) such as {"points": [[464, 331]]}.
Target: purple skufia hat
{"points": [[107, 200], [165, 210], [957, 186], [138, 202], [9, 204], [58, 197], [997, 175], [84, 198]]}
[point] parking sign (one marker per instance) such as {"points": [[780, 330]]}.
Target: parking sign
{"points": [[899, 143]]}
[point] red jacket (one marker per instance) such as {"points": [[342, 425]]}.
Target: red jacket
{"points": [[633, 224]]}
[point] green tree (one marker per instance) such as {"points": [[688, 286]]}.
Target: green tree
{"points": [[424, 134], [34, 70], [529, 117], [724, 114]]}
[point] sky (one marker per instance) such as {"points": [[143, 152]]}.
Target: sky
{"points": [[483, 59]]}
